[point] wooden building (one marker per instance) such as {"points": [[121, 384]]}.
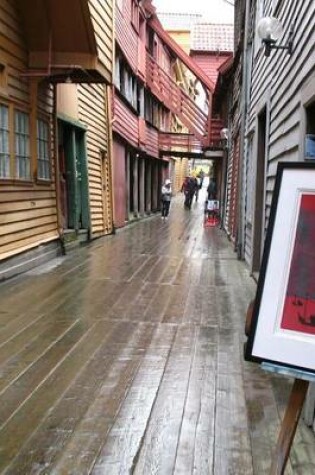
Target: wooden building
{"points": [[54, 168], [148, 100], [273, 109]]}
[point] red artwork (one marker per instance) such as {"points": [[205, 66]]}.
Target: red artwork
{"points": [[299, 306]]}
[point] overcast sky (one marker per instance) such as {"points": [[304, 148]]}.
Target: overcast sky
{"points": [[216, 11]]}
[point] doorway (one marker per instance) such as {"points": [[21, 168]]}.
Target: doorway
{"points": [[258, 237], [73, 176]]}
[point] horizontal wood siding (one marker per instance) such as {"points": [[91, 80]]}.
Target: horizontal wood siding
{"points": [[127, 37], [92, 102], [28, 215], [126, 123], [277, 81], [102, 18], [152, 141], [209, 63]]}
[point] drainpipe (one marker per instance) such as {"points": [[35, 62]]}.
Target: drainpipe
{"points": [[242, 169], [57, 172], [110, 112]]}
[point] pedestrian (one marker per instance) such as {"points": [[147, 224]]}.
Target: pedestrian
{"points": [[188, 188], [197, 187], [166, 198]]}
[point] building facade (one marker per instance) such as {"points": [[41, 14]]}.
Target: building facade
{"points": [[53, 143]]}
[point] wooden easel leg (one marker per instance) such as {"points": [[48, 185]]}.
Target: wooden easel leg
{"points": [[288, 426]]}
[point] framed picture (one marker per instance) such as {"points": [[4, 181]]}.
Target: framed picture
{"points": [[282, 329]]}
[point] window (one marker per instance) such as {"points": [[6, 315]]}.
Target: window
{"points": [[43, 159], [22, 146], [117, 72], [4, 142]]}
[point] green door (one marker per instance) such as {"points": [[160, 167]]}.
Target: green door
{"points": [[76, 173]]}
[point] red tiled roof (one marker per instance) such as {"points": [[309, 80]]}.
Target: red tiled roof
{"points": [[212, 37]]}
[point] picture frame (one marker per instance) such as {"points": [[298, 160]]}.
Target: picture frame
{"points": [[282, 328]]}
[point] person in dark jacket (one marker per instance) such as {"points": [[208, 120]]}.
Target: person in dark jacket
{"points": [[188, 188]]}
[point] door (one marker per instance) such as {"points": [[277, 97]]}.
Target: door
{"points": [[74, 177], [259, 214]]}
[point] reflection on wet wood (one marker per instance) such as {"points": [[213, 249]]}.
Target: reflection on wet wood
{"points": [[126, 357]]}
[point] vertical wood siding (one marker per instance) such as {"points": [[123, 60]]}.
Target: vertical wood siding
{"points": [[28, 214], [119, 183]]}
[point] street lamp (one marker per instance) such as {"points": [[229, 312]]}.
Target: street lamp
{"points": [[269, 29]]}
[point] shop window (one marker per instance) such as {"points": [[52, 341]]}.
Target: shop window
{"points": [[43, 158], [22, 146], [4, 142]]}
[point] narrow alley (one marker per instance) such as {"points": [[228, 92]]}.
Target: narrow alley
{"points": [[127, 357]]}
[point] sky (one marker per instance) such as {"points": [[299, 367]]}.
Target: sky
{"points": [[216, 11]]}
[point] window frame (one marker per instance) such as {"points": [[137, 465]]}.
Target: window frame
{"points": [[5, 144], [43, 146], [22, 145]]}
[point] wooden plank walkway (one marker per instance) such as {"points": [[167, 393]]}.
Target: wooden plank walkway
{"points": [[127, 357]]}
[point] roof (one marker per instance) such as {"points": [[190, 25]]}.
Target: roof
{"points": [[212, 37], [179, 21]]}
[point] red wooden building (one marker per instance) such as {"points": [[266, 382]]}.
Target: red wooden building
{"points": [[147, 100]]}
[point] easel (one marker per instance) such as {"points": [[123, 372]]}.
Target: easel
{"points": [[293, 410]]}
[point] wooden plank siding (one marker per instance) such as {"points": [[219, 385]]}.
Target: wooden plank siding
{"points": [[126, 122], [92, 105], [276, 83], [102, 14], [126, 36], [152, 141], [28, 215]]}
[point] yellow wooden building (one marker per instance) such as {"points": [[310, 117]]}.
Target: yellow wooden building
{"points": [[55, 72]]}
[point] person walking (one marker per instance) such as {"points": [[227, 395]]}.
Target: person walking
{"points": [[188, 188], [166, 198]]}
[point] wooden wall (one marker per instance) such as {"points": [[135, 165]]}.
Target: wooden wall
{"points": [[102, 13], [119, 180], [277, 83], [93, 112], [28, 214], [210, 62]]}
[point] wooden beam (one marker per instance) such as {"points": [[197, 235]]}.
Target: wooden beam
{"points": [[288, 426], [180, 53]]}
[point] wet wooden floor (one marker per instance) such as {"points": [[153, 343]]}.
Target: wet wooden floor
{"points": [[127, 358]]}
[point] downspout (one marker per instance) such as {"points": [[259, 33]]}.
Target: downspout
{"points": [[57, 172], [110, 98], [242, 169]]}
